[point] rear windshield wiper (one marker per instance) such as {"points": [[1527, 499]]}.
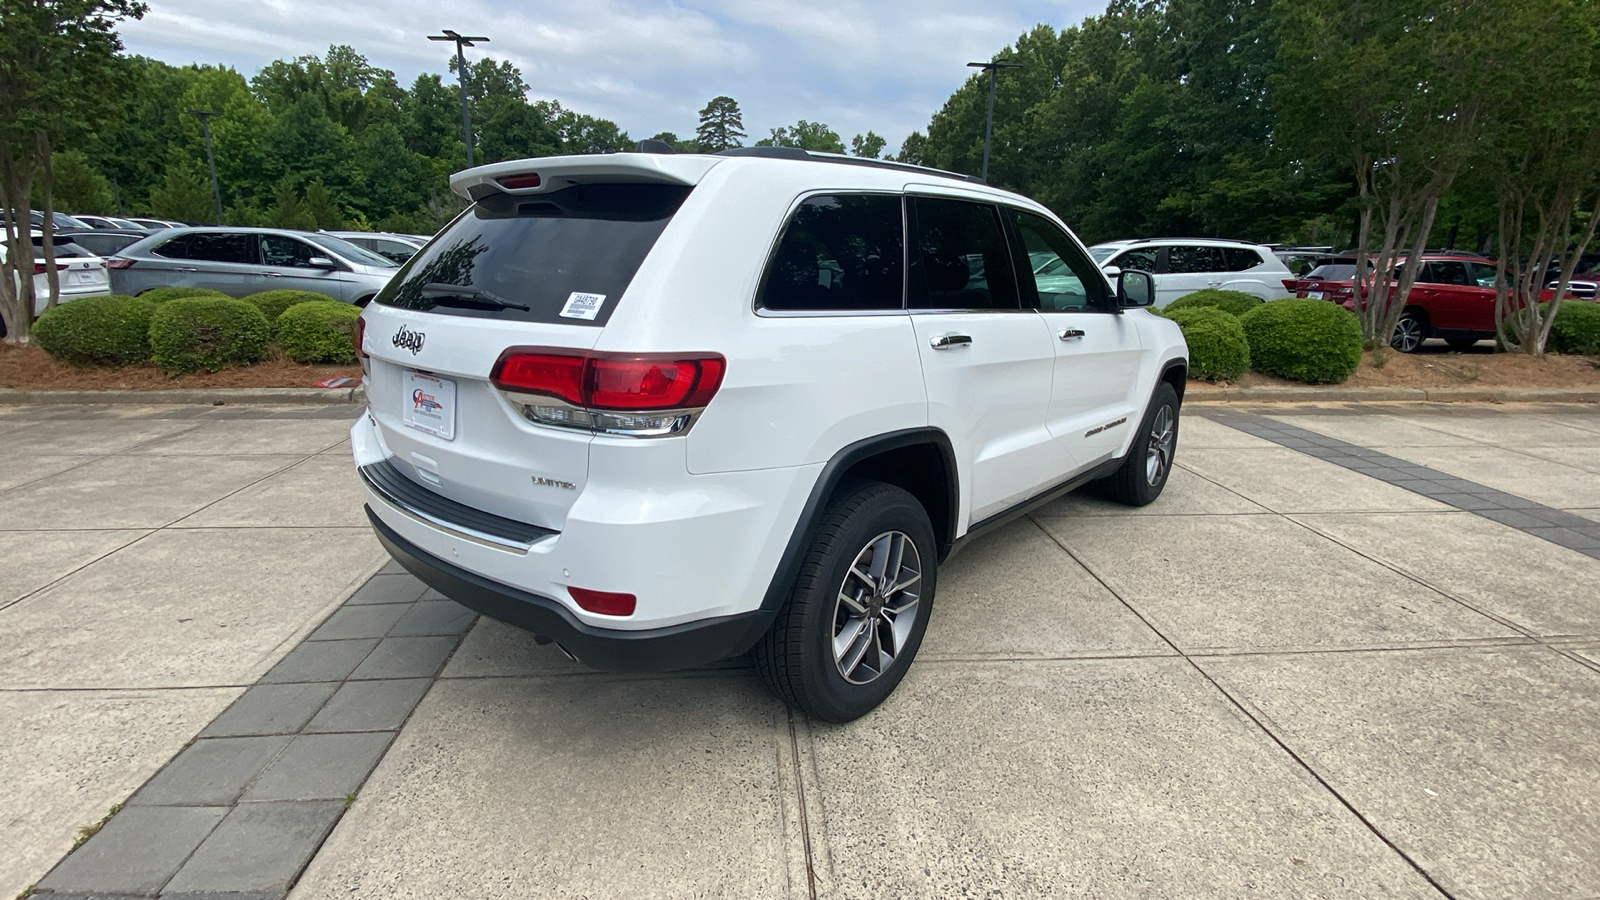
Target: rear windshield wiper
{"points": [[438, 289]]}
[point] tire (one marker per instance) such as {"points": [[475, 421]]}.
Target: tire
{"points": [[1459, 344], [864, 528], [1145, 470], [1409, 332]]}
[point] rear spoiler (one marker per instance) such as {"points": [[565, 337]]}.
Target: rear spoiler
{"points": [[552, 173]]}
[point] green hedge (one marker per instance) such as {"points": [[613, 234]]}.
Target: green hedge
{"points": [[107, 331], [208, 333], [163, 294], [1576, 329], [1218, 349], [273, 303], [1304, 340], [1234, 303], [318, 331]]}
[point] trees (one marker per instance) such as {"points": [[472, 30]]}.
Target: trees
{"points": [[721, 125], [1396, 89], [869, 145], [60, 75], [1542, 158], [805, 135]]}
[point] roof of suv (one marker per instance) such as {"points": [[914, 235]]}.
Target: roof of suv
{"points": [[534, 176], [1201, 242]]}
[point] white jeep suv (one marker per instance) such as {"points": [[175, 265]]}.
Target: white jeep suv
{"points": [[1185, 265], [662, 409]]}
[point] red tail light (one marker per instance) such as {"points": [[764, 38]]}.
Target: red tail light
{"points": [[647, 395], [358, 337], [605, 603], [518, 182], [117, 262]]}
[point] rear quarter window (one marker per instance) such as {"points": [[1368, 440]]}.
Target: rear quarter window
{"points": [[532, 253], [839, 252]]}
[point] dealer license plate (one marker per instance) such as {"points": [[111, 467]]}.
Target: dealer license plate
{"points": [[82, 278], [430, 404]]}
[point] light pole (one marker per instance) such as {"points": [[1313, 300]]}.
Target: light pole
{"points": [[988, 126], [211, 159], [461, 73]]}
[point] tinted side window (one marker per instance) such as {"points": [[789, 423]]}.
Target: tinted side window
{"points": [[1482, 275], [963, 259], [394, 250], [839, 252], [1143, 259], [1063, 277], [177, 248], [1240, 259], [1195, 260], [277, 250], [225, 248], [1443, 272]]}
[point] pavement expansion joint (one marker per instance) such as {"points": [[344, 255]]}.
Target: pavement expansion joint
{"points": [[243, 808]]}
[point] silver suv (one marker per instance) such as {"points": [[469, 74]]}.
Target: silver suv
{"points": [[243, 261]]}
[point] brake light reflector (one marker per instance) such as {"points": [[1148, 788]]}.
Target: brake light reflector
{"points": [[518, 182], [358, 337], [644, 395], [605, 603]]}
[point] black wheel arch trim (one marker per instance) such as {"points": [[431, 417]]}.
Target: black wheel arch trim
{"points": [[832, 476]]}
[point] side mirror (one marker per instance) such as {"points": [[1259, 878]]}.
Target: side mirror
{"points": [[1135, 288], [321, 262]]}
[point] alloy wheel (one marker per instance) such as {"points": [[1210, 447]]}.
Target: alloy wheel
{"points": [[1158, 456], [1408, 334], [876, 607]]}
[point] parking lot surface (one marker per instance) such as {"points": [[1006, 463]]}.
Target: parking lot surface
{"points": [[1352, 651]]}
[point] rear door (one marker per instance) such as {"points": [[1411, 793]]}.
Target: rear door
{"points": [[219, 261], [987, 360], [1447, 295], [556, 265], [1097, 348], [1190, 268]]}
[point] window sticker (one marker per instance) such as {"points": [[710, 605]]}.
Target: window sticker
{"points": [[582, 306]]}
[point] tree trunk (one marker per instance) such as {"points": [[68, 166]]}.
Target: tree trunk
{"points": [[16, 273], [52, 277]]}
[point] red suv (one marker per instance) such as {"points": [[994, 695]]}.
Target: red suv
{"points": [[1452, 299]]}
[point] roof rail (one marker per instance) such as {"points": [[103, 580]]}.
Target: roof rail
{"points": [[798, 154]]}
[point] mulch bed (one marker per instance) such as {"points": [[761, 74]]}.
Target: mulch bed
{"points": [[1439, 368], [29, 368]]}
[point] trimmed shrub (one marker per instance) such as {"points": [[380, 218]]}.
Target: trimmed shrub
{"points": [[163, 294], [107, 331], [1577, 328], [1218, 349], [273, 303], [318, 331], [1234, 303], [1303, 340], [192, 334]]}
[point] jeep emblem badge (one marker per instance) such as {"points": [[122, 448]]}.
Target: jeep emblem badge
{"points": [[406, 339]]}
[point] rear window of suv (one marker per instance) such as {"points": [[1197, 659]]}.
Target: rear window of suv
{"points": [[533, 257]]}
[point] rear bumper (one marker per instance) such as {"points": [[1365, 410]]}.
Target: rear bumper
{"points": [[649, 650]]}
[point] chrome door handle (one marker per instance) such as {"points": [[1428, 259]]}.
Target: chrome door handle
{"points": [[946, 341], [273, 274], [187, 269], [1071, 334]]}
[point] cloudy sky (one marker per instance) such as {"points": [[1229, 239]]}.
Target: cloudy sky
{"points": [[650, 65]]}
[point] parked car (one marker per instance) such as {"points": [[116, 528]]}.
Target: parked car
{"points": [[1185, 265], [61, 220], [156, 224], [108, 223], [610, 364], [104, 243], [79, 273], [242, 261], [396, 247], [1299, 260], [1453, 297]]}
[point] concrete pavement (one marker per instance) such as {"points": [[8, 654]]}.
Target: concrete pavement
{"points": [[1286, 678]]}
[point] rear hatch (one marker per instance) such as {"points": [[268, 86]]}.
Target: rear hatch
{"points": [[543, 258]]}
